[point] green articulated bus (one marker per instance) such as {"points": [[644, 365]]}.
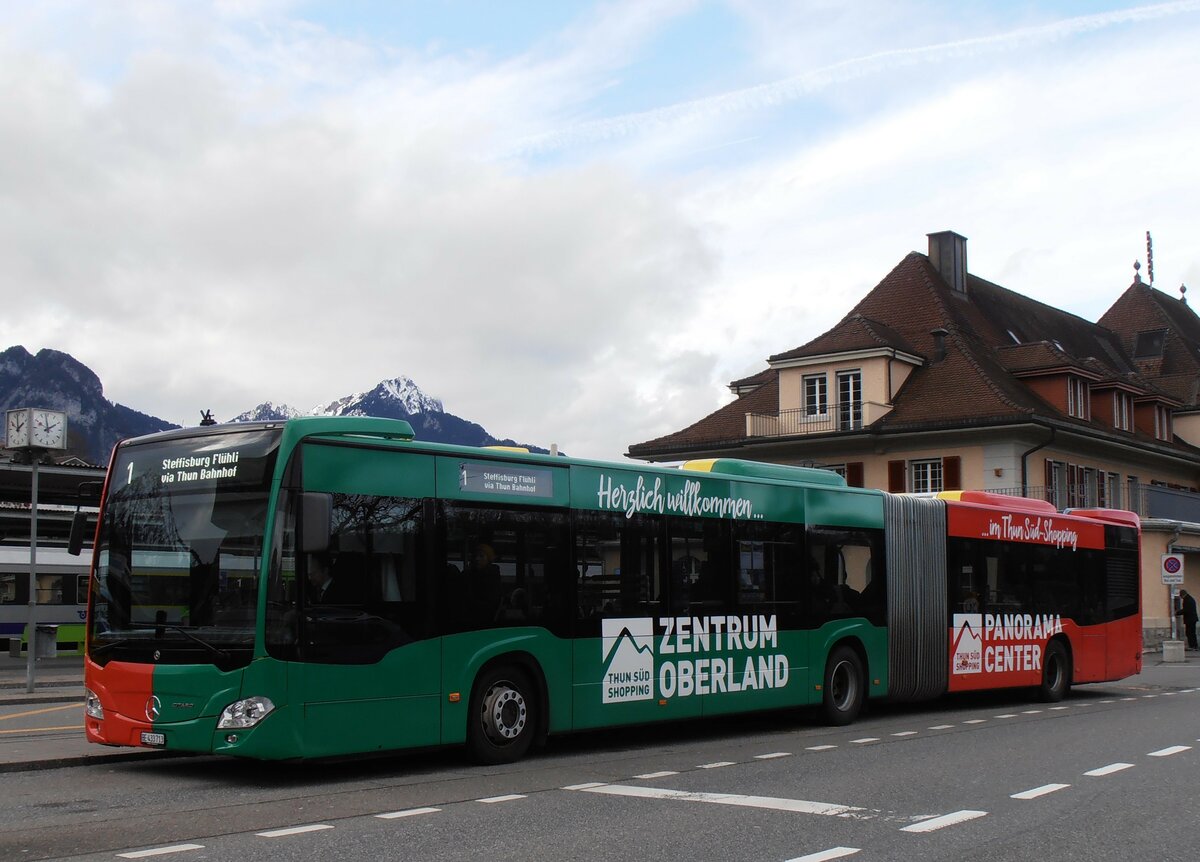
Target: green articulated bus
{"points": [[331, 586]]}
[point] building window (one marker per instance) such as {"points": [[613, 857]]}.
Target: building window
{"points": [[926, 476], [849, 400], [1123, 411], [816, 399], [1162, 422], [1077, 397]]}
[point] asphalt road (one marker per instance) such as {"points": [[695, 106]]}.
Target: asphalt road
{"points": [[1111, 773]]}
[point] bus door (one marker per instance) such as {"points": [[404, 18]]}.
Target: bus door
{"points": [[369, 674]]}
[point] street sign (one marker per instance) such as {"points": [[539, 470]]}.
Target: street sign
{"points": [[1172, 569]]}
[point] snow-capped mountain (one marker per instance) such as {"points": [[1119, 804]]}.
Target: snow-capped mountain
{"points": [[398, 398], [94, 424], [268, 412], [398, 393]]}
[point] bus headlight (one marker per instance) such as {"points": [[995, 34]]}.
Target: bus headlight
{"points": [[245, 713], [91, 705]]}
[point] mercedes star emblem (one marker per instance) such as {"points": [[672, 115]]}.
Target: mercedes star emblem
{"points": [[153, 708]]}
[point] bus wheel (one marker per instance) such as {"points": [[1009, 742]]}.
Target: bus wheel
{"points": [[1056, 674], [844, 688], [502, 722]]}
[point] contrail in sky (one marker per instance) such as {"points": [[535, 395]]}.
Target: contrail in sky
{"points": [[791, 89]]}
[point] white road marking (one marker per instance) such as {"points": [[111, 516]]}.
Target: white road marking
{"points": [[865, 740], [1108, 701], [821, 748], [1128, 698], [1147, 696], [1167, 752], [772, 755], [1056, 708], [295, 830], [716, 765], [1083, 704], [801, 806], [1031, 712], [509, 798], [1007, 715], [941, 727], [975, 721], [906, 733], [1108, 770], [1039, 791], [587, 786], [826, 855], [656, 774], [160, 851], [411, 812], [945, 820]]}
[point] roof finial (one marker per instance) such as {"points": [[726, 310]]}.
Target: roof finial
{"points": [[1137, 275], [1183, 293], [1149, 259]]}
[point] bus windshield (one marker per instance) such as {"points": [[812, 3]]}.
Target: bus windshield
{"points": [[180, 549]]}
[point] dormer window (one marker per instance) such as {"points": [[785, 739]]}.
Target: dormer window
{"points": [[1077, 398], [1162, 422], [1122, 411], [816, 395]]}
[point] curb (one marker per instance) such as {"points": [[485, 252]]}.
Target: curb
{"points": [[84, 759]]}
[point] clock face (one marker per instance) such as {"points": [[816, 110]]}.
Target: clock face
{"points": [[17, 429], [48, 430]]}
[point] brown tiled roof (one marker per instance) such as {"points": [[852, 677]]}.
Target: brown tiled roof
{"points": [[728, 424], [992, 334], [1141, 308], [854, 332]]}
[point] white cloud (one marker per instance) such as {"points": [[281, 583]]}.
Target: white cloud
{"points": [[217, 208]]}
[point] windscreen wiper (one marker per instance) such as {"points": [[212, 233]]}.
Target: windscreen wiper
{"points": [[105, 647], [215, 650]]}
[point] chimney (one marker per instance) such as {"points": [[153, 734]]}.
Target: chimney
{"points": [[939, 343], [948, 254]]}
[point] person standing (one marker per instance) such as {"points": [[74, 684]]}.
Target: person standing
{"points": [[1187, 610]]}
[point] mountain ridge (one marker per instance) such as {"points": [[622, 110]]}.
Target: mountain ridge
{"points": [[56, 380]]}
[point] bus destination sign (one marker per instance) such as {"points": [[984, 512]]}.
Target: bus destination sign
{"points": [[490, 477]]}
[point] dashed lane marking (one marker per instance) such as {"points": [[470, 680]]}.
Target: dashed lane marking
{"points": [[975, 721], [492, 800], [293, 830], [1108, 770], [410, 812], [865, 740], [1167, 752], [716, 765], [941, 727], [821, 748], [801, 806], [935, 823], [1039, 791], [906, 733], [664, 774], [826, 855], [159, 851], [772, 755]]}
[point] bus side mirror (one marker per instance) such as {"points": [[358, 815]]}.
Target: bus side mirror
{"points": [[315, 513], [78, 529]]}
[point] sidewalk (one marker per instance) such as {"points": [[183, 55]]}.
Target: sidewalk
{"points": [[59, 682]]}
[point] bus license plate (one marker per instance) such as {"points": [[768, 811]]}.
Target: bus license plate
{"points": [[148, 738]]}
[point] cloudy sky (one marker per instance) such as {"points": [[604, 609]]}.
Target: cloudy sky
{"points": [[573, 223]]}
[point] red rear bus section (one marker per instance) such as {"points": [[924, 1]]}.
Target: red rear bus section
{"points": [[1035, 593]]}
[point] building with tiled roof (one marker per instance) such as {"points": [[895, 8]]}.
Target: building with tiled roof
{"points": [[938, 379]]}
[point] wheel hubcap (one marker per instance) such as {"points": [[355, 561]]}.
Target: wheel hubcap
{"points": [[843, 684], [504, 713]]}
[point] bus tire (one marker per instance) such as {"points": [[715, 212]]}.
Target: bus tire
{"points": [[845, 687], [1056, 673], [503, 715]]}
